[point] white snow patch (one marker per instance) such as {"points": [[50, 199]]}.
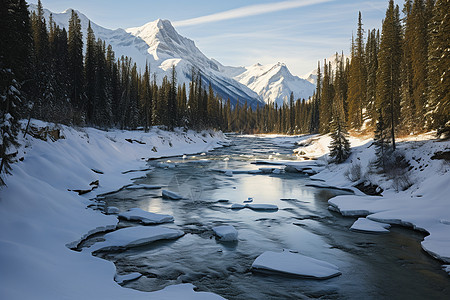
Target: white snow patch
{"points": [[226, 233], [135, 236], [38, 216], [366, 225], [290, 263], [145, 217]]}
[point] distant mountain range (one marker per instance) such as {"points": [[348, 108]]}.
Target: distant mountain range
{"points": [[159, 44]]}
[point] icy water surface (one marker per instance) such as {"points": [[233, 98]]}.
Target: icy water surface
{"points": [[390, 266]]}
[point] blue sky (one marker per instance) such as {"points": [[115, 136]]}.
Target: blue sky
{"points": [[242, 33]]}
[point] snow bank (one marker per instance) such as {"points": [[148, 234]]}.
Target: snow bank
{"points": [[39, 216], [366, 225], [145, 217], [423, 206], [226, 233], [291, 263]]}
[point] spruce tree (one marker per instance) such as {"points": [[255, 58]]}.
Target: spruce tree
{"points": [[14, 28], [172, 101], [76, 80], [89, 74], [372, 66], [340, 146], [408, 107], [326, 100], [419, 46], [438, 108], [388, 75], [381, 142], [358, 79]]}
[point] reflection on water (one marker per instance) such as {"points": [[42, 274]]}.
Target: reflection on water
{"points": [[375, 266]]}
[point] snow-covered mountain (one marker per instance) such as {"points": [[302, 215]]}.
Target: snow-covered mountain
{"points": [[334, 59], [159, 44], [274, 83]]}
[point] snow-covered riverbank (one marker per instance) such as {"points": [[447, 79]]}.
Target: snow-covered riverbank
{"points": [[424, 205], [40, 215]]}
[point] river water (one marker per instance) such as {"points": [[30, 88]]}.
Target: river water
{"points": [[389, 266]]}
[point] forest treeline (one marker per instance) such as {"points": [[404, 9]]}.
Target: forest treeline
{"points": [[395, 81]]}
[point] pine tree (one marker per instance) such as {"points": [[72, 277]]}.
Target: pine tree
{"points": [[438, 110], [172, 101], [326, 99], [408, 107], [357, 80], [381, 141], [14, 28], [372, 66], [419, 46], [388, 75], [340, 146], [76, 80], [89, 74], [315, 114]]}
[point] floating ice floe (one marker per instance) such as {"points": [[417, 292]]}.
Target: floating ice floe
{"points": [[135, 236], [226, 233], [366, 225], [127, 277], [295, 264], [237, 206], [112, 210], [262, 206], [143, 186], [258, 207], [145, 217], [171, 195]]}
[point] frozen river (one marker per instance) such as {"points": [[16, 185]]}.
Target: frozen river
{"points": [[373, 266]]}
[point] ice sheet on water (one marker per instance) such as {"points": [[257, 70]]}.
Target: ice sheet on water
{"points": [[147, 218], [366, 225], [143, 186], [262, 206], [258, 207], [291, 263], [226, 233], [135, 236], [171, 195]]}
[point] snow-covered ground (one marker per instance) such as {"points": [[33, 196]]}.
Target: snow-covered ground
{"points": [[41, 216], [424, 205]]}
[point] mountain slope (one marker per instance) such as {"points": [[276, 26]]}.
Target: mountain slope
{"points": [[158, 44], [275, 83]]}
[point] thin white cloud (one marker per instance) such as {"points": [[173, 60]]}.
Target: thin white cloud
{"points": [[246, 11]]}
